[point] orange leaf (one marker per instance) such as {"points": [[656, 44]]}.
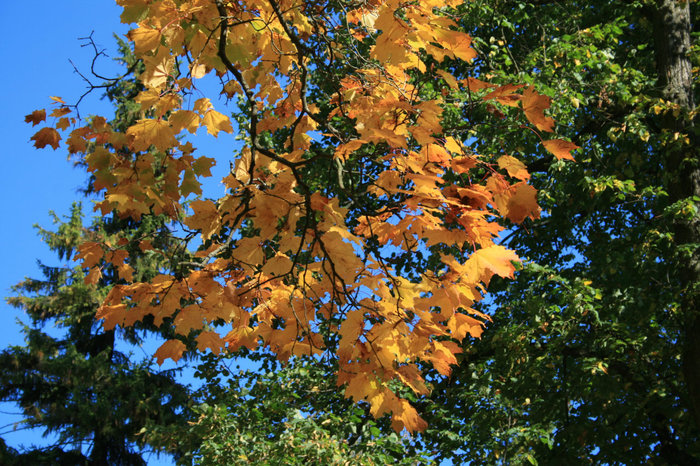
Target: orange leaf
{"points": [[90, 252], [463, 164], [505, 94], [560, 148], [172, 349], [514, 167], [522, 203], [449, 79], [60, 111], [111, 315], [211, 340], [63, 123], [534, 105], [474, 84], [407, 418], [189, 318], [436, 154], [489, 261], [36, 117], [46, 137], [457, 42], [93, 276]]}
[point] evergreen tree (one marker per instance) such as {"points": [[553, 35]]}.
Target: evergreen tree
{"points": [[72, 378], [76, 380]]}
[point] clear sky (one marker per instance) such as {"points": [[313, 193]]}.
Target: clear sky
{"points": [[40, 39]]}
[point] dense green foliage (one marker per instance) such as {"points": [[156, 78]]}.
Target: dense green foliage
{"points": [[291, 414], [583, 362]]}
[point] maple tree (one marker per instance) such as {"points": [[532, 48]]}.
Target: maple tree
{"points": [[347, 167]]}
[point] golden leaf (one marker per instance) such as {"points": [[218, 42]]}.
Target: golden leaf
{"points": [[189, 318], [205, 218], [560, 148], [489, 261], [184, 119], [144, 39], [216, 122], [147, 132], [91, 253], [210, 340], [514, 167]]}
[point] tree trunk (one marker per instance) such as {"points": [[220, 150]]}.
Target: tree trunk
{"points": [[672, 28]]}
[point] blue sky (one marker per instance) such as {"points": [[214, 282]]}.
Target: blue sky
{"points": [[40, 41], [39, 44]]}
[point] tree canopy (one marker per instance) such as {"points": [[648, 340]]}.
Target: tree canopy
{"points": [[397, 157], [355, 225]]}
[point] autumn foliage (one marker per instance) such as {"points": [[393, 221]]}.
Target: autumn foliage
{"points": [[347, 167]]}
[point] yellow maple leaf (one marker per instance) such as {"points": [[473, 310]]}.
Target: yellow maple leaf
{"points": [[147, 132], [184, 119], [144, 39], [205, 218], [216, 122]]}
